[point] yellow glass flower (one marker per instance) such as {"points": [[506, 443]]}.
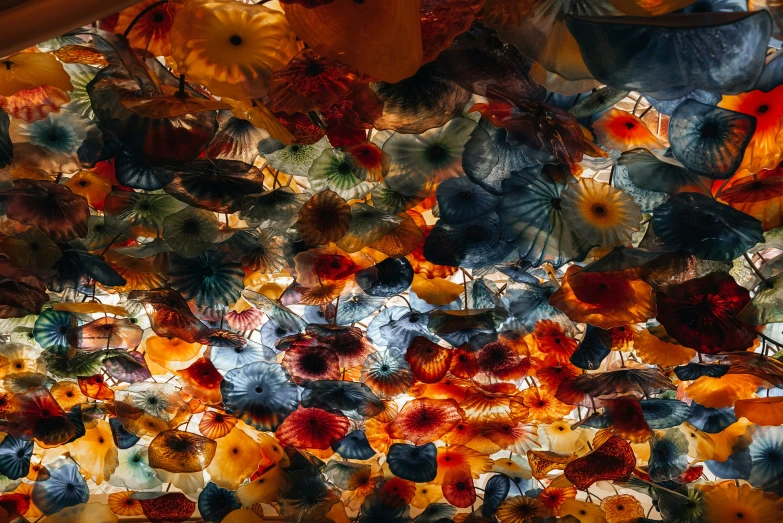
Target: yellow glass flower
{"points": [[236, 458], [584, 511], [17, 357], [230, 47], [560, 437], [30, 70], [600, 214], [95, 452], [728, 503], [265, 489], [701, 446], [426, 494]]}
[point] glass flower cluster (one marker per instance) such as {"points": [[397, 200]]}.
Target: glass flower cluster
{"points": [[404, 261]]}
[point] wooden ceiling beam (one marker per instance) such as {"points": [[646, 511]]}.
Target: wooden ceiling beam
{"points": [[24, 23]]}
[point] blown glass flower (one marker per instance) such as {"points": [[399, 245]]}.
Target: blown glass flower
{"points": [[230, 47], [261, 394]]}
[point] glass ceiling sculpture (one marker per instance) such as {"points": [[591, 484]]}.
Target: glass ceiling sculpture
{"points": [[405, 261]]}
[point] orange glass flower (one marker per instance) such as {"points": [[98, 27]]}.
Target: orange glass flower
{"points": [[604, 300], [230, 47], [482, 406], [554, 497], [541, 406], [518, 509], [760, 196], [216, 424], [503, 360], [662, 349], [621, 508], [551, 340], [516, 437], [382, 40], [95, 387], [761, 411], [764, 150], [463, 460], [624, 131], [429, 361], [152, 25], [122, 504], [724, 391]]}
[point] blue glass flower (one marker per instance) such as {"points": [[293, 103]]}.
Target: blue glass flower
{"points": [[474, 244], [698, 225], [375, 332], [133, 172], [400, 331], [417, 463], [15, 457], [226, 359], [261, 394], [650, 180], [739, 465], [528, 303], [211, 279], [315, 314], [460, 201], [668, 106], [709, 140], [357, 306], [214, 503], [663, 413], [771, 75], [509, 159], [306, 496], [591, 351], [766, 451], [668, 455], [354, 399], [495, 492], [273, 330], [716, 6], [638, 55], [531, 220], [122, 438], [60, 142], [517, 271], [694, 371], [52, 327], [711, 420], [395, 275], [354, 446], [65, 487]]}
